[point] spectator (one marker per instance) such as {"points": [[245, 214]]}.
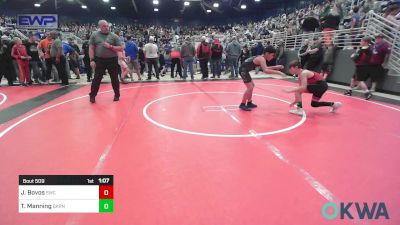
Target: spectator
{"points": [[6, 67], [20, 54], [355, 23], [72, 43], [257, 49], [188, 52], [315, 56], [168, 47], [124, 69], [341, 38], [204, 54], [356, 18], [44, 54], [132, 51], [328, 60], [34, 63], [303, 53], [329, 24], [362, 60], [368, 5], [142, 58], [380, 53], [151, 53], [176, 61], [310, 24], [58, 57], [72, 51], [168, 62], [120, 36], [280, 54], [161, 61], [216, 56], [86, 60], [392, 13], [233, 52]]}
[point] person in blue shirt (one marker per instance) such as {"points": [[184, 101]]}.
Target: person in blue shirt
{"points": [[168, 47], [258, 49], [131, 51], [67, 48], [71, 65]]}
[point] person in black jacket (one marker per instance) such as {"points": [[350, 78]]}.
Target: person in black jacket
{"points": [[161, 61], [315, 56], [328, 60], [303, 53], [6, 66], [34, 64], [86, 59], [142, 58], [329, 24], [310, 24], [280, 54]]}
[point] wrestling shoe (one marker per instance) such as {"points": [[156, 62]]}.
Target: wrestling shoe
{"points": [[368, 95], [336, 106], [297, 111], [244, 107], [251, 105]]}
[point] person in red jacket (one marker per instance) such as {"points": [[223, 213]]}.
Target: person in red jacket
{"points": [[204, 54], [20, 53], [176, 60]]}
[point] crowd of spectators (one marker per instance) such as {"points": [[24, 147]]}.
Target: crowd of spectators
{"points": [[315, 17], [224, 52]]}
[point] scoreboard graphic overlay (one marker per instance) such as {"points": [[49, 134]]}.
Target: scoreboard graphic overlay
{"points": [[66, 194]]}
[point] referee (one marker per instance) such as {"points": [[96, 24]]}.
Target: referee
{"points": [[103, 48]]}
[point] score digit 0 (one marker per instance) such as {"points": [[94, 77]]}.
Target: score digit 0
{"points": [[106, 192]]}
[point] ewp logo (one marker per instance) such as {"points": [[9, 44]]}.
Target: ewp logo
{"points": [[377, 211], [35, 21]]}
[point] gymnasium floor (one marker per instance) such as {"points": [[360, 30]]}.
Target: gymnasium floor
{"points": [[182, 153]]}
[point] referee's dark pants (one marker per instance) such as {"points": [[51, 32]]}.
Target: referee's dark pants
{"points": [[103, 64]]}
